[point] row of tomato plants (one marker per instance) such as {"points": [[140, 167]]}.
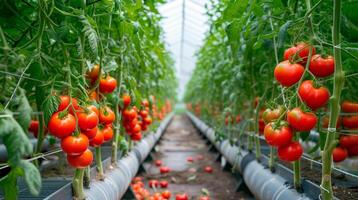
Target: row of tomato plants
{"points": [[85, 72], [239, 75]]}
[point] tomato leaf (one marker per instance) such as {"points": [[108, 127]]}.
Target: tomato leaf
{"points": [[282, 34], [32, 176]]}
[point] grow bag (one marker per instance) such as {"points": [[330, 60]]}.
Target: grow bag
{"points": [[261, 182], [117, 180]]}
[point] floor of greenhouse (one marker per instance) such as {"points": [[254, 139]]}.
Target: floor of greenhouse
{"points": [[181, 141]]}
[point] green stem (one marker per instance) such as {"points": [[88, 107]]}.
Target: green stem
{"points": [[272, 159], [77, 185], [338, 82], [117, 124], [297, 169], [99, 166], [87, 177]]}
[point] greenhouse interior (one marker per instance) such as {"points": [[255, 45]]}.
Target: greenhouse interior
{"points": [[179, 99]]}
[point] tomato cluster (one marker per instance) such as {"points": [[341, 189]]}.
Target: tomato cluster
{"points": [[133, 120], [141, 193]]}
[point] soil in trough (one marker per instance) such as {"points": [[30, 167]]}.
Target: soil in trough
{"points": [[181, 141]]}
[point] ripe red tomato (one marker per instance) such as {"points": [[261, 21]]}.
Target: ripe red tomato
{"points": [[106, 115], [153, 183], [65, 101], [301, 121], [143, 113], [137, 128], [144, 127], [87, 119], [321, 67], [290, 152], [204, 198], [107, 133], [75, 145], [288, 74], [208, 169], [136, 136], [93, 95], [93, 73], [126, 100], [349, 107], [238, 119], [137, 179], [300, 52], [166, 194], [98, 139], [93, 108], [90, 133], [270, 115], [158, 163], [313, 97], [279, 136], [190, 159], [164, 170], [164, 184], [353, 151], [81, 161], [145, 103], [107, 85], [350, 122], [181, 197], [261, 126], [62, 126], [339, 154], [347, 141], [34, 128], [129, 114], [147, 120]]}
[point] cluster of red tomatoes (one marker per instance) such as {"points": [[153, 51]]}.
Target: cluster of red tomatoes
{"points": [[279, 133], [133, 120], [231, 119], [141, 193], [348, 144]]}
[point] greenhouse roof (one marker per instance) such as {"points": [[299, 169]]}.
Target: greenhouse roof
{"points": [[184, 27]]}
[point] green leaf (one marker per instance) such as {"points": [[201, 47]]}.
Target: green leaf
{"points": [[283, 33], [24, 109], [32, 177], [49, 106]]}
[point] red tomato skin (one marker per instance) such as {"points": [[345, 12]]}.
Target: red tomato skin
{"points": [[301, 121], [270, 115], [93, 73], [350, 122], [164, 184], [98, 139], [107, 85], [65, 101], [288, 74], [61, 127], [321, 67], [153, 183], [313, 97], [261, 126], [94, 109], [166, 194], [87, 120], [107, 133], [208, 169], [349, 107], [278, 137], [290, 152], [136, 136], [90, 133], [81, 161], [147, 120], [75, 145], [143, 113], [106, 115], [302, 49], [339, 154], [126, 100], [204, 198], [353, 151], [34, 127], [145, 103], [158, 163], [181, 197], [164, 170], [129, 114]]}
